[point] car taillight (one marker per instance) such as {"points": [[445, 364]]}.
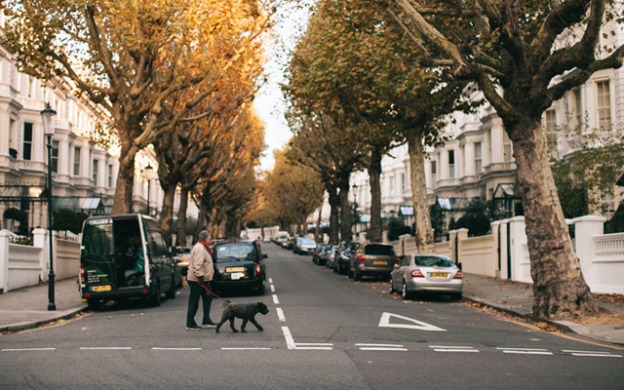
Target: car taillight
{"points": [[397, 260], [361, 259], [82, 277], [417, 274], [258, 270], [458, 275]]}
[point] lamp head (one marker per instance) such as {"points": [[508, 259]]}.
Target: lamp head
{"points": [[149, 171], [48, 115]]}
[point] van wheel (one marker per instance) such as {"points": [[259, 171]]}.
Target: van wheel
{"points": [[172, 291], [155, 298], [93, 304]]}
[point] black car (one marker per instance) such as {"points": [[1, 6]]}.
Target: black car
{"points": [[239, 266], [316, 255], [341, 259]]}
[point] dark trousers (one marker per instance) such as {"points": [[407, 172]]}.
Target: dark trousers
{"points": [[193, 303]]}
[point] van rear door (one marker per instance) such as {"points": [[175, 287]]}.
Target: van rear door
{"points": [[97, 255]]}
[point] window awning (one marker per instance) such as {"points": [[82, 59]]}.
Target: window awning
{"points": [[406, 211], [506, 191]]}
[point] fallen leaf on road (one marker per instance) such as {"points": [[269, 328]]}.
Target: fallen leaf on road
{"points": [[142, 314], [501, 301], [547, 327], [430, 311], [85, 328], [110, 317], [534, 339]]}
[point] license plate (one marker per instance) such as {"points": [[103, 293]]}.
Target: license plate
{"points": [[100, 288], [235, 269], [439, 274], [379, 262], [236, 275]]}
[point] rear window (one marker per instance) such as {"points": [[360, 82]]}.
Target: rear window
{"points": [[308, 241], [433, 261], [234, 252], [97, 241], [379, 250]]}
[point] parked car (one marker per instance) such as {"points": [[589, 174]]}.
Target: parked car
{"points": [[435, 273], [316, 254], [372, 259], [304, 246], [331, 256], [116, 251], [341, 260], [239, 266], [181, 257]]}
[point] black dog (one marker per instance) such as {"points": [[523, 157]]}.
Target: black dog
{"points": [[246, 311]]}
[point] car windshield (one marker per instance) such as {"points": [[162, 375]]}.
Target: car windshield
{"points": [[380, 250], [349, 246], [307, 241], [433, 261], [234, 252]]}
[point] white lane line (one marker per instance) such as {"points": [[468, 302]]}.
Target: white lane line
{"points": [[275, 300], [26, 349], [314, 344], [596, 355], [270, 280], [523, 349], [272, 288], [446, 348], [107, 348], [280, 314], [176, 349], [378, 345], [382, 349], [574, 351], [528, 352], [244, 349], [290, 342]]}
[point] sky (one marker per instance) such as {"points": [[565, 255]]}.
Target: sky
{"points": [[270, 104]]}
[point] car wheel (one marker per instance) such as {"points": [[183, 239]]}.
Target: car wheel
{"points": [[349, 273], [391, 286], [356, 275], [172, 290], [404, 293], [335, 269], [155, 298], [456, 296], [93, 304]]}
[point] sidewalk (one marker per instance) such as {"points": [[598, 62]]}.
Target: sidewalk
{"points": [[28, 307], [517, 299]]}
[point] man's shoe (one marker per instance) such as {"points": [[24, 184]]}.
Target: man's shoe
{"points": [[209, 325], [193, 327]]}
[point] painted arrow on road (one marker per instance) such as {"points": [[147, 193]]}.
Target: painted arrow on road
{"points": [[384, 322]]}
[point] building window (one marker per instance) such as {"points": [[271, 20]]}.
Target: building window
{"points": [[478, 158], [28, 137], [76, 161], [604, 104], [402, 182], [110, 176], [391, 185], [578, 109], [55, 154], [551, 129], [451, 157], [95, 172], [433, 173], [507, 150], [463, 156]]}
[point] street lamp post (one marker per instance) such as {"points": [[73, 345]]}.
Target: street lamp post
{"points": [[148, 175], [355, 205], [48, 117]]}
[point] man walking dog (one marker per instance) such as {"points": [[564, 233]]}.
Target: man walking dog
{"points": [[200, 270]]}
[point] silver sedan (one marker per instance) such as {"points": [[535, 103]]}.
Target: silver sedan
{"points": [[435, 273]]}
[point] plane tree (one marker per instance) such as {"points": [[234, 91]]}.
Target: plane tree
{"points": [[523, 56]]}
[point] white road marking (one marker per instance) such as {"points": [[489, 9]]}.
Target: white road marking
{"points": [[448, 346], [526, 351], [26, 349], [272, 288], [176, 349], [244, 349], [290, 342], [382, 349], [596, 355], [270, 280], [523, 349], [379, 345], [384, 322], [106, 348], [445, 348], [275, 300], [280, 314], [574, 351]]}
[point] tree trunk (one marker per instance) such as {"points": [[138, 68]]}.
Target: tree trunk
{"points": [[374, 173], [122, 202], [181, 226], [216, 222], [559, 289], [345, 211], [423, 230], [166, 214], [204, 208], [317, 231], [333, 216]]}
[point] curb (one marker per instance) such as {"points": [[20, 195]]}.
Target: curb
{"points": [[34, 324]]}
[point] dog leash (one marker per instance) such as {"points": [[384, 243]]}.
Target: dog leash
{"points": [[210, 292]]}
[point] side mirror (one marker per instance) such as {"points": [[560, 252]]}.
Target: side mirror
{"points": [[265, 256]]}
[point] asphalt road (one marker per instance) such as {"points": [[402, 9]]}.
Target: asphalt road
{"points": [[322, 332]]}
